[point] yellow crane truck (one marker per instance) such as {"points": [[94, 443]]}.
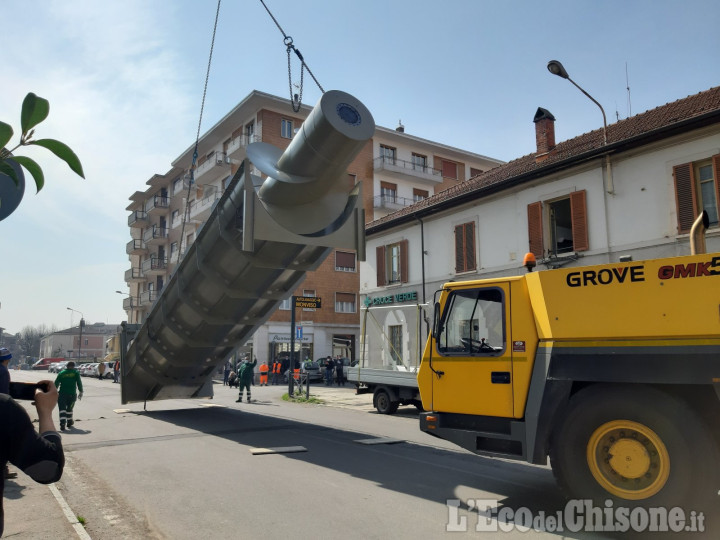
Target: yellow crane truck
{"points": [[613, 371]]}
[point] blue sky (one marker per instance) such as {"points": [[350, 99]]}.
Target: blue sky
{"points": [[125, 82]]}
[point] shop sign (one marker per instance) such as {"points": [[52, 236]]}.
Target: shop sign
{"points": [[391, 299], [285, 338]]}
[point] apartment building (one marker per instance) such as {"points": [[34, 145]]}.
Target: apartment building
{"points": [[395, 169], [73, 342], [576, 203]]}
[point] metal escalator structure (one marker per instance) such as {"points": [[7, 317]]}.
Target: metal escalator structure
{"points": [[256, 247]]}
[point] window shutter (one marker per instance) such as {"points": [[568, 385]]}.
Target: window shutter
{"points": [[345, 297], [535, 228], [470, 246], [404, 256], [344, 259], [578, 211], [459, 252], [716, 172], [449, 169], [685, 196], [380, 263]]}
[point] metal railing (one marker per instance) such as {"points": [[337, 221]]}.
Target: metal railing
{"points": [[154, 264], [158, 201], [378, 163], [134, 245], [137, 215], [155, 233], [392, 202]]}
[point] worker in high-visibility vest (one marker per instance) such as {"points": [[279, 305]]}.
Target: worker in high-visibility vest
{"points": [[277, 365], [264, 369]]}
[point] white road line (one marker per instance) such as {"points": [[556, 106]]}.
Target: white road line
{"points": [[277, 450], [79, 529]]}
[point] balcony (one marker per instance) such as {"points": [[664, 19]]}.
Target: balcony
{"points": [[214, 168], [176, 256], [399, 168], [154, 266], [134, 275], [200, 209], [137, 219], [128, 304], [155, 235], [391, 202], [157, 205], [135, 247], [148, 298], [236, 148]]}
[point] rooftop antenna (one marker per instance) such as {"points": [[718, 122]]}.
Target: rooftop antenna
{"points": [[627, 86]]}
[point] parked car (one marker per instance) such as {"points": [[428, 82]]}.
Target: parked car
{"points": [[109, 370], [345, 362], [312, 369], [88, 369], [57, 367], [44, 363]]}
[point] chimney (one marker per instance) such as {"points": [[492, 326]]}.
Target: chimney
{"points": [[544, 134], [400, 128]]}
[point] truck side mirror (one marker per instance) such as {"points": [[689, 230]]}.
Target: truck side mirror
{"points": [[436, 322]]}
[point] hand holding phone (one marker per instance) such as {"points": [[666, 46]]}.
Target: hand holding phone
{"points": [[26, 391]]}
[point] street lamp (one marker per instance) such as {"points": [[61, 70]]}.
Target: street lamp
{"points": [[556, 68], [131, 302], [82, 324]]}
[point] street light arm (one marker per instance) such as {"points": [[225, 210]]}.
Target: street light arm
{"points": [[596, 103]]}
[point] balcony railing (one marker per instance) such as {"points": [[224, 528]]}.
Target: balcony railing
{"points": [[403, 167], [158, 202], [137, 218], [213, 168], [205, 204], [392, 202], [133, 274], [148, 297], [239, 143], [155, 234], [135, 247], [154, 265]]}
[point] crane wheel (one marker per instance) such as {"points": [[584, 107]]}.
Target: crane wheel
{"points": [[637, 446]]}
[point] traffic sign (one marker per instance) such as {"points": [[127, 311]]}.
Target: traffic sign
{"points": [[308, 302]]}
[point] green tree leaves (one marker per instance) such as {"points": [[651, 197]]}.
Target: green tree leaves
{"points": [[34, 110]]}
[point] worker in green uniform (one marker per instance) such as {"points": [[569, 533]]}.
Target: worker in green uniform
{"points": [[67, 381], [245, 377]]}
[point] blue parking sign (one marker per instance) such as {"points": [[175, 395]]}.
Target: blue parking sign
{"points": [[298, 332]]}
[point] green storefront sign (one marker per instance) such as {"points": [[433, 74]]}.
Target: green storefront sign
{"points": [[391, 299]]}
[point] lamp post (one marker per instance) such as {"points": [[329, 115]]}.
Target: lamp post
{"points": [[131, 303], [82, 324], [556, 68]]}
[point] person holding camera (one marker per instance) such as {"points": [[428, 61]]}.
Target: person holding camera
{"points": [[39, 455]]}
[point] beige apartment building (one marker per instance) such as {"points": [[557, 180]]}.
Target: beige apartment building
{"points": [[396, 170]]}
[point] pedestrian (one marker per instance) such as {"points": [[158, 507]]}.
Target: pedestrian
{"points": [[264, 369], [39, 455], [245, 377], [276, 371], [329, 367], [232, 379], [101, 370], [226, 372], [339, 375], [67, 381], [116, 371], [5, 357]]}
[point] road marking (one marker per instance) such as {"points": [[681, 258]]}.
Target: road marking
{"points": [[277, 450], [79, 529], [211, 405], [381, 440]]}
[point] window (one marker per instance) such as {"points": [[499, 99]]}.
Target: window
{"points": [[177, 186], [396, 350], [419, 162], [344, 302], [286, 128], [308, 292], [419, 194], [449, 169], [465, 247], [392, 263], [473, 323], [388, 192], [474, 171], [173, 250], [286, 305], [250, 131], [558, 226], [388, 153], [697, 188], [175, 216], [344, 261]]}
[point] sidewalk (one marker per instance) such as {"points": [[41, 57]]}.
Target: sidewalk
{"points": [[33, 512]]}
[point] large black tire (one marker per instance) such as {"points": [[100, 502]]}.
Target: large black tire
{"points": [[637, 446], [383, 403]]}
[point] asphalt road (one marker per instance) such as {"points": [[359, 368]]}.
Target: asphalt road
{"points": [[184, 469]]}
